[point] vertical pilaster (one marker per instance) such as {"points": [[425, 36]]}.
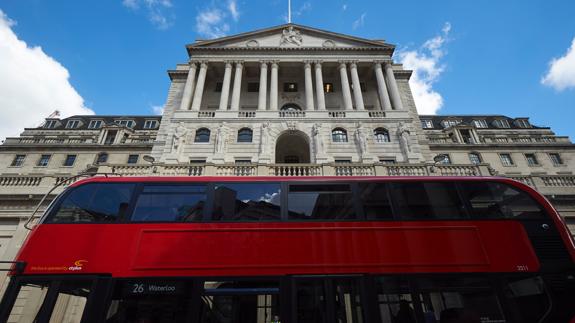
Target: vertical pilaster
{"points": [[189, 87], [320, 94], [237, 87], [308, 87], [224, 97], [392, 85], [274, 87], [381, 88], [357, 95], [262, 95], [199, 91], [345, 90]]}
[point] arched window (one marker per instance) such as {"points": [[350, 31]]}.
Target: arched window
{"points": [[102, 158], [291, 107], [202, 135], [339, 135], [381, 135], [245, 135], [475, 158]]}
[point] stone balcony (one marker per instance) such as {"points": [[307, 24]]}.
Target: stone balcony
{"points": [[281, 115]]}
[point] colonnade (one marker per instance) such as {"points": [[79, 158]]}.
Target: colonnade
{"points": [[388, 91]]}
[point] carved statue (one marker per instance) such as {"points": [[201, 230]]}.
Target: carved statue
{"points": [[265, 137], [291, 36], [179, 138], [316, 134], [403, 134], [361, 139], [221, 138]]}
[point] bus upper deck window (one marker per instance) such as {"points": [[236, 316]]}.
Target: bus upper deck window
{"points": [[320, 202], [173, 203], [492, 200], [246, 202], [427, 200], [95, 202]]}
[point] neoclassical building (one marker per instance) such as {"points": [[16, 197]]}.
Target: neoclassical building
{"points": [[289, 100]]}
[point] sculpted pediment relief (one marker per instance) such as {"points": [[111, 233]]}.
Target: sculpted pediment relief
{"points": [[289, 35]]}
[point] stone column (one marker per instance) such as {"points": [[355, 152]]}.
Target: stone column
{"points": [[237, 87], [263, 86], [226, 87], [393, 89], [274, 87], [308, 87], [345, 87], [357, 95], [189, 88], [319, 87], [200, 87], [381, 88]]}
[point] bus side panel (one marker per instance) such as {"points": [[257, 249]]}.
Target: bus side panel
{"points": [[287, 248]]}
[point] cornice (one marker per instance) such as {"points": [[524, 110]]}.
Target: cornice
{"points": [[177, 75], [288, 49]]}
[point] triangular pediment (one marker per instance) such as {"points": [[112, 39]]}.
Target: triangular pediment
{"points": [[290, 36]]}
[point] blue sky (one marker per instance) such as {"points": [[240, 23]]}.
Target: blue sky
{"points": [[111, 57]]}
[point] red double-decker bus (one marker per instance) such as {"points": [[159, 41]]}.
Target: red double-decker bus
{"points": [[269, 249]]}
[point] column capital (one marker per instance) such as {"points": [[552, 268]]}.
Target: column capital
{"points": [[240, 63], [203, 64], [264, 64], [342, 64], [387, 62], [318, 63], [307, 64], [228, 64], [274, 64], [353, 64]]}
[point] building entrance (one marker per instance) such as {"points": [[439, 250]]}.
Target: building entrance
{"points": [[292, 147]]}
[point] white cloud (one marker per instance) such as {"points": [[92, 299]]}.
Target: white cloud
{"points": [[32, 84], [157, 109], [233, 9], [158, 11], [427, 67], [210, 23], [358, 22], [561, 74], [213, 21], [344, 7]]}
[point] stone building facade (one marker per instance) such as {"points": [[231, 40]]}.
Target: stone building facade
{"points": [[284, 101]]}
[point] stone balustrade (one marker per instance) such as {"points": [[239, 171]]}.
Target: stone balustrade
{"points": [[31, 184], [295, 170]]}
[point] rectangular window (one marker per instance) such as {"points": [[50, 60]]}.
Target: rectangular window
{"points": [[69, 161], [31, 295], [72, 124], [475, 158], [95, 124], [328, 87], [18, 160], [491, 200], [427, 124], [342, 161], [522, 123], [501, 123], [94, 202], [240, 301], [450, 122], [170, 203], [75, 295], [133, 159], [247, 202], [110, 137], [150, 124], [427, 200], [531, 160], [198, 161], [126, 123], [49, 124], [253, 87], [374, 198], [290, 87], [219, 86], [556, 159], [506, 159], [44, 160], [480, 123], [387, 161], [329, 300], [321, 202]]}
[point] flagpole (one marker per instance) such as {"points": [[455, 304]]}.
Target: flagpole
{"points": [[289, 11]]}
